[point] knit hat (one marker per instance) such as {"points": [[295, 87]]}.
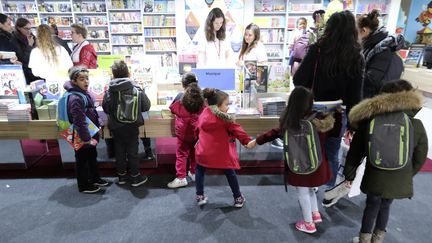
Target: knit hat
{"points": [[75, 71]]}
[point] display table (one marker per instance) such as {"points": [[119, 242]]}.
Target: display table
{"points": [[420, 78], [154, 128]]}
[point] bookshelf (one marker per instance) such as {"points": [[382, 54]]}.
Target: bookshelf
{"points": [[159, 26], [125, 27], [270, 16]]}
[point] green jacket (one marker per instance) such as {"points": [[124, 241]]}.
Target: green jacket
{"points": [[387, 184]]}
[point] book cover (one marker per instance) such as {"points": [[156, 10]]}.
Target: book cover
{"points": [[262, 79], [278, 78], [72, 137]]}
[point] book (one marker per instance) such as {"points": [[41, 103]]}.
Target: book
{"points": [[262, 79], [72, 137], [326, 106], [278, 78]]}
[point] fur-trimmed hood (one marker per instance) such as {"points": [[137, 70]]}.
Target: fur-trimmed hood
{"points": [[383, 103], [221, 115], [324, 124]]}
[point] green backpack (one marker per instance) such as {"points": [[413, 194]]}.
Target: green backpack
{"points": [[127, 105], [390, 141]]}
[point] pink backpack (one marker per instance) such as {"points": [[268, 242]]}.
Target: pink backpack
{"points": [[301, 46]]}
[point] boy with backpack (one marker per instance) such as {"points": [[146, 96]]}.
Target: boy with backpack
{"points": [[395, 145], [79, 110], [299, 45], [124, 102]]}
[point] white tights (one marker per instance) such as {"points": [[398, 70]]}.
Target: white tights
{"points": [[308, 202]]}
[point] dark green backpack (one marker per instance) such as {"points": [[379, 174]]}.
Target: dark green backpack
{"points": [[390, 143], [302, 149]]}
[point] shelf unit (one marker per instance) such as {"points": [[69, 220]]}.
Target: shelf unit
{"points": [[125, 27], [159, 26]]}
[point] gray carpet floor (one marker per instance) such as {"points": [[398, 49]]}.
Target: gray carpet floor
{"points": [[52, 210]]}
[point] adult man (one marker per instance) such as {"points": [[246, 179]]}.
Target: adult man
{"points": [[83, 53]]}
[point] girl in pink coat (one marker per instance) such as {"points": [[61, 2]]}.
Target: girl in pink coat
{"points": [[186, 107], [216, 147]]}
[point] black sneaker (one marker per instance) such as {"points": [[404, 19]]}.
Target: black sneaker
{"points": [[90, 189], [328, 203], [101, 182], [148, 155], [122, 179], [138, 180]]}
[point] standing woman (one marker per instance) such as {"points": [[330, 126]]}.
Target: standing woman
{"points": [[333, 69], [48, 56], [252, 48], [382, 63], [214, 50], [25, 41]]}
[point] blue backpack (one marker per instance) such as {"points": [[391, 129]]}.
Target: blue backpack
{"points": [[63, 122]]}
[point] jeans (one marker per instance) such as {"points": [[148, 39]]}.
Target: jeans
{"points": [[126, 147], [308, 202], [86, 166], [376, 212], [230, 175], [332, 146]]}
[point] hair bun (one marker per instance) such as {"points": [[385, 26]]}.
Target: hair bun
{"points": [[209, 92], [374, 14]]}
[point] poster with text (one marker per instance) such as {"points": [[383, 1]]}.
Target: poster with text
{"points": [[11, 79]]}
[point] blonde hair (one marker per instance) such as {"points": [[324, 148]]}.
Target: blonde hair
{"points": [[46, 44]]}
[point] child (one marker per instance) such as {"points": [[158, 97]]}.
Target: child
{"points": [[125, 129], [299, 43], [380, 185], [87, 171], [186, 107], [216, 146], [299, 108]]}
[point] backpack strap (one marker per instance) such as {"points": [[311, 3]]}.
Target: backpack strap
{"points": [[83, 96]]}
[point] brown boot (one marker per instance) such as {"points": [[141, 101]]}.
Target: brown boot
{"points": [[363, 238], [378, 236]]}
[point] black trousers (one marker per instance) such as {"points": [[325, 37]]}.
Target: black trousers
{"points": [[126, 149], [86, 166], [376, 213]]}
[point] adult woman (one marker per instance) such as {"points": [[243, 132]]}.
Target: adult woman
{"points": [[215, 49], [382, 63], [48, 56], [252, 48], [83, 53], [25, 41], [6, 40], [332, 68]]}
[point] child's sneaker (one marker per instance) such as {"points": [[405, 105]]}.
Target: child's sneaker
{"points": [[101, 182], [90, 189], [177, 182], [122, 179], [138, 180], [201, 200], [192, 176], [316, 217], [304, 227], [238, 202]]}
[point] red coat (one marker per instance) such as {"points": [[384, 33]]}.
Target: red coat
{"points": [[216, 146], [185, 122], [321, 176], [87, 57]]}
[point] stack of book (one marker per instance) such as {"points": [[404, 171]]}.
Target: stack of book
{"points": [[5, 106], [272, 106], [20, 112]]}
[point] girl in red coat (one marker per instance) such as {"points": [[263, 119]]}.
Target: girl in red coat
{"points": [[186, 107], [216, 148], [300, 107]]}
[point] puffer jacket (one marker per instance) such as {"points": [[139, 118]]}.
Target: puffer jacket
{"points": [[77, 112], [390, 184], [382, 62], [109, 103], [185, 122]]}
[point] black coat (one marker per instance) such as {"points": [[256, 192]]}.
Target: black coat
{"points": [[7, 44], [325, 88], [63, 43], [23, 54], [382, 63]]}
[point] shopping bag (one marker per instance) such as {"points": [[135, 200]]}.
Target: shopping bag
{"points": [[355, 186]]}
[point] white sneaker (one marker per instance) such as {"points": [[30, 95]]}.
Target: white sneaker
{"points": [[192, 176], [176, 183]]}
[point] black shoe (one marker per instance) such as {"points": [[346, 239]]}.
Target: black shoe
{"points": [[138, 180], [328, 203], [101, 182], [122, 179], [90, 189], [148, 155]]}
